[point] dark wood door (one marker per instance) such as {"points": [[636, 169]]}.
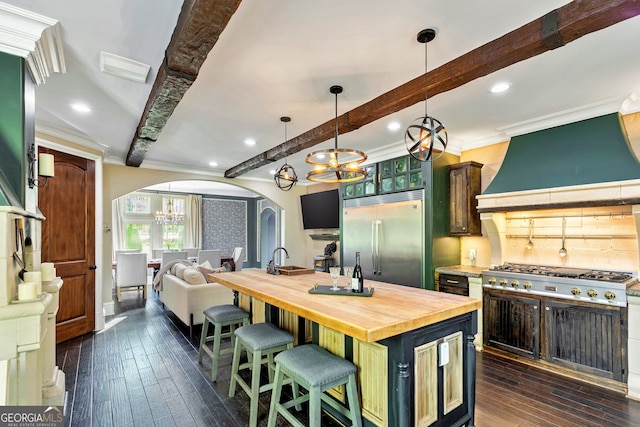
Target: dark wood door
{"points": [[586, 337], [512, 323], [68, 240]]}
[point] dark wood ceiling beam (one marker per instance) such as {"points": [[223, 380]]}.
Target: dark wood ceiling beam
{"points": [[574, 20], [198, 28]]}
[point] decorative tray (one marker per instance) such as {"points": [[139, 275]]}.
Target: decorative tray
{"points": [[294, 270], [326, 290]]}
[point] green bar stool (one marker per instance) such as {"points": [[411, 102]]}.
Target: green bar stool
{"points": [[316, 370], [261, 341], [219, 316]]}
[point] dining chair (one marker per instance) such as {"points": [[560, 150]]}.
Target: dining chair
{"points": [[116, 253], [191, 252], [212, 255], [170, 256], [131, 273], [238, 257], [156, 253]]}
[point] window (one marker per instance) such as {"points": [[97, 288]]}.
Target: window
{"points": [[141, 229]]}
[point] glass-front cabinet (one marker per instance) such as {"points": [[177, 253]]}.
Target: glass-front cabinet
{"points": [[389, 176], [365, 187]]}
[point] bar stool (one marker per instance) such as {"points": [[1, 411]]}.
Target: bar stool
{"points": [[219, 316], [316, 370], [261, 341]]}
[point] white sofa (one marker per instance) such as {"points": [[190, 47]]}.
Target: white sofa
{"points": [[188, 301]]}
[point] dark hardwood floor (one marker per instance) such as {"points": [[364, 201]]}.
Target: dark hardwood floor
{"points": [[142, 370]]}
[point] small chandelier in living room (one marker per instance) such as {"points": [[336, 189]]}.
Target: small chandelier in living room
{"points": [[169, 217]]}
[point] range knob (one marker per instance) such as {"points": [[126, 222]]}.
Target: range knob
{"points": [[492, 281], [503, 282], [610, 295], [527, 285], [575, 291], [515, 284], [592, 293]]}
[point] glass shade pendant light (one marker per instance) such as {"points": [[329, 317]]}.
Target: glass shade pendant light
{"points": [[285, 177], [426, 137], [336, 164]]}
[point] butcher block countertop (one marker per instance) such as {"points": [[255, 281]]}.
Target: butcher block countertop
{"points": [[390, 311]]}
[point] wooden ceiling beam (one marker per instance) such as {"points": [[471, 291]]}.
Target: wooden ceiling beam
{"points": [[557, 28], [198, 28]]}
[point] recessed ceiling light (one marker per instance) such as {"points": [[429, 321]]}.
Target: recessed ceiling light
{"points": [[80, 107], [500, 87], [393, 126], [272, 172], [320, 156], [250, 141], [213, 164]]}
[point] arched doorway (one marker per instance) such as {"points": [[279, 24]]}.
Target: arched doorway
{"points": [[268, 235]]}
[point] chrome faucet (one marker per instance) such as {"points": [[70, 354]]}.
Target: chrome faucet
{"points": [[271, 268]]}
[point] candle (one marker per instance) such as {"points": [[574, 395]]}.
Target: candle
{"points": [[27, 291], [45, 165], [35, 277], [48, 271]]}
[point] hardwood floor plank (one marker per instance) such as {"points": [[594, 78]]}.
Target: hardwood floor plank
{"points": [[142, 416], [120, 406], [157, 402]]}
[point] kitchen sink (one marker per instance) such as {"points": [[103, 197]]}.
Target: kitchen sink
{"points": [[292, 270]]}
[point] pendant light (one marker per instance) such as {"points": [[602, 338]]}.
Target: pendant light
{"points": [[426, 137], [286, 176], [336, 164]]}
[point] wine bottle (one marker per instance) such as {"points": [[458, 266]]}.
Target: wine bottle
{"points": [[357, 279]]}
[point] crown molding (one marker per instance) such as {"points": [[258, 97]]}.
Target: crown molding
{"points": [[34, 37], [606, 106]]}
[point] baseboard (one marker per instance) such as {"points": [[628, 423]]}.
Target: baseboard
{"points": [[108, 308]]}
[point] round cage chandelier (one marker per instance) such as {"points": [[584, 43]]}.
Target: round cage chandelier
{"points": [[426, 137], [336, 164], [286, 176]]}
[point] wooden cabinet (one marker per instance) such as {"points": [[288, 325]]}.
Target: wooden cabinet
{"points": [[512, 323], [584, 337], [464, 186]]}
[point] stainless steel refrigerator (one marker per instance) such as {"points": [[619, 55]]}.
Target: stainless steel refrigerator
{"points": [[388, 231]]}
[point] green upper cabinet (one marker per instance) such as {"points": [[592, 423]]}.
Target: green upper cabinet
{"points": [[388, 176], [365, 187]]}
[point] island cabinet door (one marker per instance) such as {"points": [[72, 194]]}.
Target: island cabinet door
{"points": [[512, 323]]}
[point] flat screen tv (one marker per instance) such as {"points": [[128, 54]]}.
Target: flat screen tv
{"points": [[320, 210]]}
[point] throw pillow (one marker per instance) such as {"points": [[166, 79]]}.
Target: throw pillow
{"points": [[194, 277], [180, 268]]}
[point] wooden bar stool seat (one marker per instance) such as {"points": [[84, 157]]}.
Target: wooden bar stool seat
{"points": [[219, 316], [261, 341], [316, 370]]}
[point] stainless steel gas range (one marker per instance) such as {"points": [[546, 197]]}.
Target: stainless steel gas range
{"points": [[594, 286]]}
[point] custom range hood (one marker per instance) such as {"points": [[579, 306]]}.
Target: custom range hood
{"points": [[586, 163]]}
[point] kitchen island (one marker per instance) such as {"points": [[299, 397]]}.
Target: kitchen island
{"points": [[397, 337]]}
